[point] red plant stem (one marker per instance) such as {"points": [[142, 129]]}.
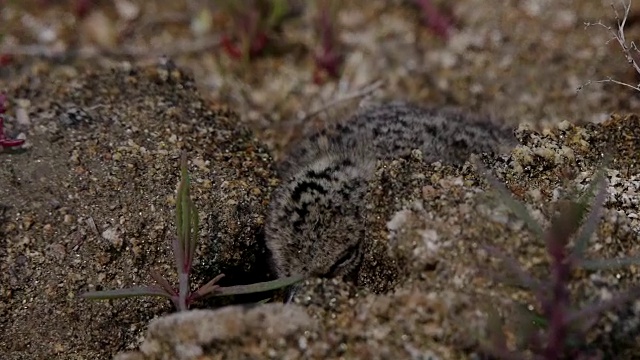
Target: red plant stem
{"points": [[183, 291], [326, 26], [557, 306], [328, 57], [250, 40], [5, 59], [257, 45], [230, 48]]}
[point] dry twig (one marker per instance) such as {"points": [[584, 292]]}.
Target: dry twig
{"points": [[351, 96], [628, 49]]}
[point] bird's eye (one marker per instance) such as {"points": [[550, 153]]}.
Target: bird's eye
{"points": [[347, 261]]}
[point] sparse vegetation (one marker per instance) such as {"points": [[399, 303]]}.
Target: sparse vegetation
{"points": [[555, 329], [252, 27], [184, 247], [253, 24]]}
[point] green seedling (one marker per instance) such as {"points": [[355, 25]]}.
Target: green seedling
{"points": [[184, 247]]}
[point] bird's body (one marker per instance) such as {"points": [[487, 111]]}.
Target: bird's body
{"points": [[316, 221]]}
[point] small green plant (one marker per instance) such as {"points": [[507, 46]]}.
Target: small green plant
{"points": [[253, 24], [184, 247], [556, 330]]}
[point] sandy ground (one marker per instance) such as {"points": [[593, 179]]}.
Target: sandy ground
{"points": [[105, 123]]}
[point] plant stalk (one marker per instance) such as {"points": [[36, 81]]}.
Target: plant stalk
{"points": [[183, 291]]}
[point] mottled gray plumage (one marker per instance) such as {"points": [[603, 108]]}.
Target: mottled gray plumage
{"points": [[316, 220]]}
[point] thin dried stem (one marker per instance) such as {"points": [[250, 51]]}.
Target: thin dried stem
{"points": [[627, 49], [351, 96]]}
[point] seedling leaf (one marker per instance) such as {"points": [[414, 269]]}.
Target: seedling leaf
{"points": [[257, 287], [523, 279], [207, 288], [590, 311], [517, 207], [126, 293], [164, 284], [598, 185], [608, 264]]}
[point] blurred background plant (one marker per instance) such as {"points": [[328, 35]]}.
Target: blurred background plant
{"points": [[253, 23], [328, 54], [244, 29]]}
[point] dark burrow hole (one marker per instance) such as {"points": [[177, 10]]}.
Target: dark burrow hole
{"points": [[259, 270]]}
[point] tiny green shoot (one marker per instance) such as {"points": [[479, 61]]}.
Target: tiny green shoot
{"points": [[184, 247]]}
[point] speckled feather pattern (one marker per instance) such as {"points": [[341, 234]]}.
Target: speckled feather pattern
{"points": [[316, 221]]}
